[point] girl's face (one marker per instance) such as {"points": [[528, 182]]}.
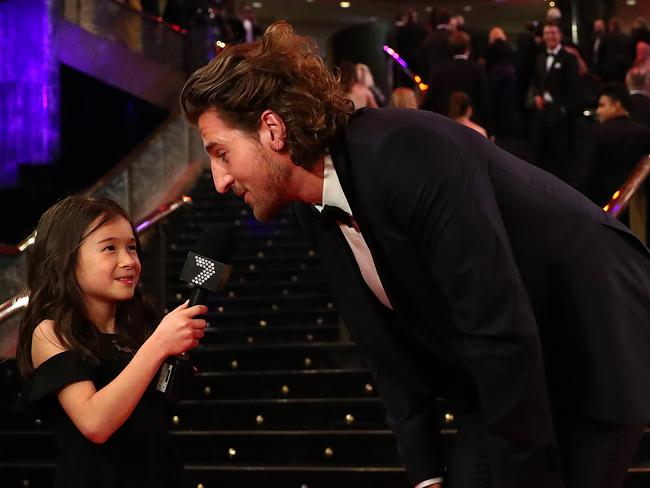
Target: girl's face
{"points": [[108, 267]]}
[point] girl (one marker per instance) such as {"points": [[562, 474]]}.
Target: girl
{"points": [[460, 109], [87, 346]]}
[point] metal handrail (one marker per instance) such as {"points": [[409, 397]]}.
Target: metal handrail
{"points": [[12, 306], [157, 19], [621, 198]]}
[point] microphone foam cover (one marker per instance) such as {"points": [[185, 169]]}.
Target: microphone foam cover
{"points": [[216, 242]]}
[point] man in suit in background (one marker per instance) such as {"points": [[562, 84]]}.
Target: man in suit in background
{"points": [[408, 38], [636, 81], [461, 271], [555, 88], [459, 74], [618, 143], [435, 48], [593, 53], [616, 53]]}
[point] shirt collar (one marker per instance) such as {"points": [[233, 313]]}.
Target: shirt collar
{"points": [[637, 92], [332, 191], [461, 56]]}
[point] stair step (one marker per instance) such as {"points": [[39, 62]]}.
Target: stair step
{"points": [[288, 447], [300, 356], [275, 334], [262, 303], [334, 383], [268, 318], [279, 414]]}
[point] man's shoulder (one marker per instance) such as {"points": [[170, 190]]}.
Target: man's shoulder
{"points": [[627, 127], [384, 122], [373, 135]]}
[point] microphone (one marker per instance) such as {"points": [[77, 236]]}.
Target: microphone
{"points": [[206, 272]]}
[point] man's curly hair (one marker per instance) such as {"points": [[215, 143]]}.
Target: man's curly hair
{"points": [[284, 73]]}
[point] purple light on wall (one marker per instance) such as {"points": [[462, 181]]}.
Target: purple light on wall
{"points": [[29, 86]]}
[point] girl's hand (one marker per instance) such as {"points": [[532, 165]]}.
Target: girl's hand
{"points": [[179, 331]]}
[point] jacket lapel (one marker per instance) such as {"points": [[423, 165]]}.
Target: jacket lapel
{"points": [[343, 166]]}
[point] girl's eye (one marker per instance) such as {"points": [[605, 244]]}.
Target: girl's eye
{"points": [[109, 248], [132, 248]]}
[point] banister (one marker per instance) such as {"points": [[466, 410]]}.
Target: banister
{"points": [[621, 198]]}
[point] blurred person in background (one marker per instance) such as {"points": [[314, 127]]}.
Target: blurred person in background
{"points": [[501, 72], [460, 109], [403, 97], [637, 81], [354, 91], [364, 76], [618, 143]]}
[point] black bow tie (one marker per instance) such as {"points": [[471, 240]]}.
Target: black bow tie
{"points": [[331, 213]]}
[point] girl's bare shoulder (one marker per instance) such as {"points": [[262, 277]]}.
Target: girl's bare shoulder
{"points": [[45, 343]]}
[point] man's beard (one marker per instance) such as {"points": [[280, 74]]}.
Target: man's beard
{"points": [[270, 199]]}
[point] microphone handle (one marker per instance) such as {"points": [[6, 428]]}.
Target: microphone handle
{"points": [[198, 296]]}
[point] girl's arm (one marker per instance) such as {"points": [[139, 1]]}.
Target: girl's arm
{"points": [[98, 414]]}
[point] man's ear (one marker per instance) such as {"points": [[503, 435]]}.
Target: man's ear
{"points": [[272, 130]]}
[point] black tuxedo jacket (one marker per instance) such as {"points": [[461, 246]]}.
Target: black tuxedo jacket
{"points": [[511, 292], [562, 81], [433, 51]]}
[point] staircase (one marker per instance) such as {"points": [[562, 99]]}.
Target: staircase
{"points": [[282, 397]]}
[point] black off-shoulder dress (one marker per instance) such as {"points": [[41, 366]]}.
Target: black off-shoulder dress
{"points": [[139, 454]]}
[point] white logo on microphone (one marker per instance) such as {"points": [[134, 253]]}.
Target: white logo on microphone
{"points": [[208, 270]]}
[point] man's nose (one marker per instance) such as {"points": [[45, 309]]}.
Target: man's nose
{"points": [[222, 180]]}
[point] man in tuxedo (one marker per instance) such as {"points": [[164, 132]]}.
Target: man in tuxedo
{"points": [[461, 271], [555, 88], [459, 74]]}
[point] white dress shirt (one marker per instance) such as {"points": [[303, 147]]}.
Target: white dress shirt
{"points": [[333, 195]]}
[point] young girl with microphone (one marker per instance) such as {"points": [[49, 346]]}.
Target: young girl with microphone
{"points": [[91, 350]]}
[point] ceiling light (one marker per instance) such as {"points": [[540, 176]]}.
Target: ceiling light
{"points": [[257, 4], [345, 4]]}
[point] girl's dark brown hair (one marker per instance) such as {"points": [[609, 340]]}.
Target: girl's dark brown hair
{"points": [[283, 73], [54, 291], [348, 76], [459, 103]]}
